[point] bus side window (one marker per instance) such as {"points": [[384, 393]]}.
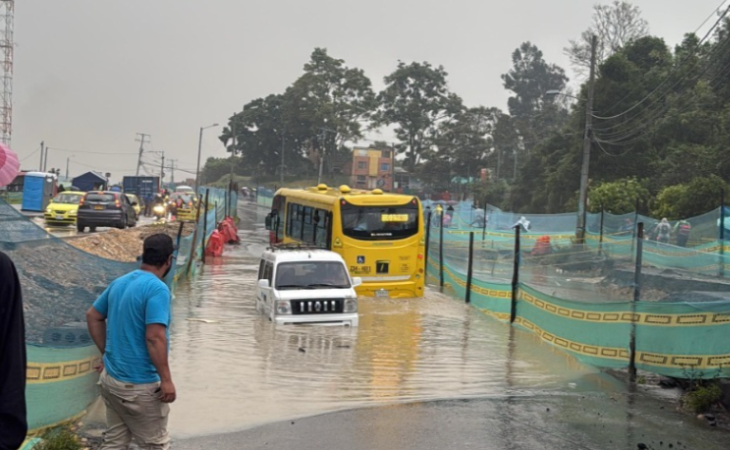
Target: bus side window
{"points": [[295, 221], [320, 228], [308, 225]]}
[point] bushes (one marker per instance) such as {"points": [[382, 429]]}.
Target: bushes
{"points": [[702, 397], [617, 197], [59, 439], [697, 197]]}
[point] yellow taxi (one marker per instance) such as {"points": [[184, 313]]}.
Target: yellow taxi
{"points": [[63, 208], [135, 204]]}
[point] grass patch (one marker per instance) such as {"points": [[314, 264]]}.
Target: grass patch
{"points": [[61, 438], [702, 396]]}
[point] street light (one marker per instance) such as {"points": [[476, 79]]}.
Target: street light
{"points": [[580, 230], [200, 145]]}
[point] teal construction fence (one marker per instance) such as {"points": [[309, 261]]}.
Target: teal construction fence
{"points": [[59, 283]]}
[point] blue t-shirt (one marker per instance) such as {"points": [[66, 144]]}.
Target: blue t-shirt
{"points": [[130, 303]]}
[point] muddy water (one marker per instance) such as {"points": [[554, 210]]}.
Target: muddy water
{"points": [[234, 369]]}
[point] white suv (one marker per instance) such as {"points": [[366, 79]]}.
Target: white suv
{"points": [[306, 287]]}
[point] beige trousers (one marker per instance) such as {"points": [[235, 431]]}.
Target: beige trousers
{"points": [[134, 411]]}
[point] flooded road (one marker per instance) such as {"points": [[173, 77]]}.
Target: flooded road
{"points": [[235, 370]]}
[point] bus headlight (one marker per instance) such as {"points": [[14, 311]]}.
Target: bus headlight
{"points": [[350, 305], [283, 307]]}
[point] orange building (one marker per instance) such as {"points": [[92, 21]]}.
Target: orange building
{"points": [[372, 169]]}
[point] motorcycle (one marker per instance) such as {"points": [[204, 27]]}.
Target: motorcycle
{"points": [[159, 211]]}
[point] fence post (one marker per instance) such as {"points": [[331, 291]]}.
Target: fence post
{"points": [[515, 276], [205, 223], [470, 267], [195, 239], [633, 231], [637, 297], [484, 224], [441, 251], [428, 242], [722, 233], [600, 236]]}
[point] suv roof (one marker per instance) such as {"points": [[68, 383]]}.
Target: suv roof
{"points": [[290, 255]]}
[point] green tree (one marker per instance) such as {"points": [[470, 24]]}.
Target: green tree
{"points": [[416, 99], [617, 197], [697, 197]]}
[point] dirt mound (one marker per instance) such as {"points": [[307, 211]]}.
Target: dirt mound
{"points": [[125, 245]]}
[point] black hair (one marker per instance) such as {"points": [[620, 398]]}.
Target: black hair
{"points": [[157, 250]]}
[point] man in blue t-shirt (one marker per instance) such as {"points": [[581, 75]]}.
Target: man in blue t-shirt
{"points": [[129, 323]]}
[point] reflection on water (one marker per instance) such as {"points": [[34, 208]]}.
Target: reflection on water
{"points": [[234, 369]]}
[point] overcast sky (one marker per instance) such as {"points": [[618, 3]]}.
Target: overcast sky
{"points": [[90, 74]]}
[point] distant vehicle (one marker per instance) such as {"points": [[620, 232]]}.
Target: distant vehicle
{"points": [[142, 187], [306, 286], [380, 236], [183, 205], [183, 188], [63, 208], [105, 209], [135, 204]]}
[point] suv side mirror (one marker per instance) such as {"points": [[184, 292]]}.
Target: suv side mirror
{"points": [[357, 281], [264, 283]]}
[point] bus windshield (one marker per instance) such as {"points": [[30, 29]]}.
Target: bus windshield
{"points": [[380, 222]]}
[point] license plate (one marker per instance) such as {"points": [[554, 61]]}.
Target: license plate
{"points": [[381, 293], [98, 207], [59, 217]]}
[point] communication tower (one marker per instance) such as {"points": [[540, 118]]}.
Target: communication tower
{"points": [[7, 9]]}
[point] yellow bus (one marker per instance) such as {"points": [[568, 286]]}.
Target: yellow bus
{"points": [[380, 236]]}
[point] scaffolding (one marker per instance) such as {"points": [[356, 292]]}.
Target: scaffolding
{"points": [[7, 9]]}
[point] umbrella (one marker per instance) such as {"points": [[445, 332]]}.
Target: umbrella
{"points": [[9, 165]]}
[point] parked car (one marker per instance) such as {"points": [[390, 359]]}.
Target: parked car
{"points": [[105, 209], [306, 286], [135, 204], [62, 209]]}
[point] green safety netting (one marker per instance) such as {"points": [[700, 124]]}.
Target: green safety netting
{"points": [[563, 297], [59, 283]]}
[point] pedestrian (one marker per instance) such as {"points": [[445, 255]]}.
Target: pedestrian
{"points": [[681, 231], [148, 204], [663, 231], [13, 420], [129, 323]]}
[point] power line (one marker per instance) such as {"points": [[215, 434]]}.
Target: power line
{"points": [[656, 89]]}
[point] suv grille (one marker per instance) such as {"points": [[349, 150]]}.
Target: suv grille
{"points": [[324, 306]]}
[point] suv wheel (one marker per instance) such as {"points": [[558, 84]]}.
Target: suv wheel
{"points": [[123, 223], [80, 228]]}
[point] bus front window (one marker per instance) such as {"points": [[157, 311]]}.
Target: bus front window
{"points": [[380, 222]]}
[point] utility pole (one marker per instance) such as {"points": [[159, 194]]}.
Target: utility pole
{"points": [[322, 152], [172, 170], [583, 201], [40, 165], [45, 160], [142, 139], [162, 168], [233, 151], [67, 161]]}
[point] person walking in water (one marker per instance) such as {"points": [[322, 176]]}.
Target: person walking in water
{"points": [[681, 231], [663, 231], [13, 421], [129, 323]]}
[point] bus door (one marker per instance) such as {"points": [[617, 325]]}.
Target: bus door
{"points": [[275, 220]]}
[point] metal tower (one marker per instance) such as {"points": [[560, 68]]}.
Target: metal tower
{"points": [[7, 9]]}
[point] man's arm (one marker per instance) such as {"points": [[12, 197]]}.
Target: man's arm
{"points": [[157, 347], [96, 323]]}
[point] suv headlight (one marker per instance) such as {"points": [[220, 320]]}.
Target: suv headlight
{"points": [[283, 307], [350, 305]]}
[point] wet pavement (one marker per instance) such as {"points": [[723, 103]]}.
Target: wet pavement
{"points": [[242, 380]]}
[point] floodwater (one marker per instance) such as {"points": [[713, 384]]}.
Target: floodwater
{"points": [[234, 369]]}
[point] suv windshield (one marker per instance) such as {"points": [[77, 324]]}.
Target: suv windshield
{"points": [[380, 222], [100, 198], [311, 275], [70, 199]]}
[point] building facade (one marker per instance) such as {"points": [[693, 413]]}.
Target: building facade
{"points": [[372, 169]]}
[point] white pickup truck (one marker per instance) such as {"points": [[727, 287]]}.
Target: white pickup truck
{"points": [[306, 287]]}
